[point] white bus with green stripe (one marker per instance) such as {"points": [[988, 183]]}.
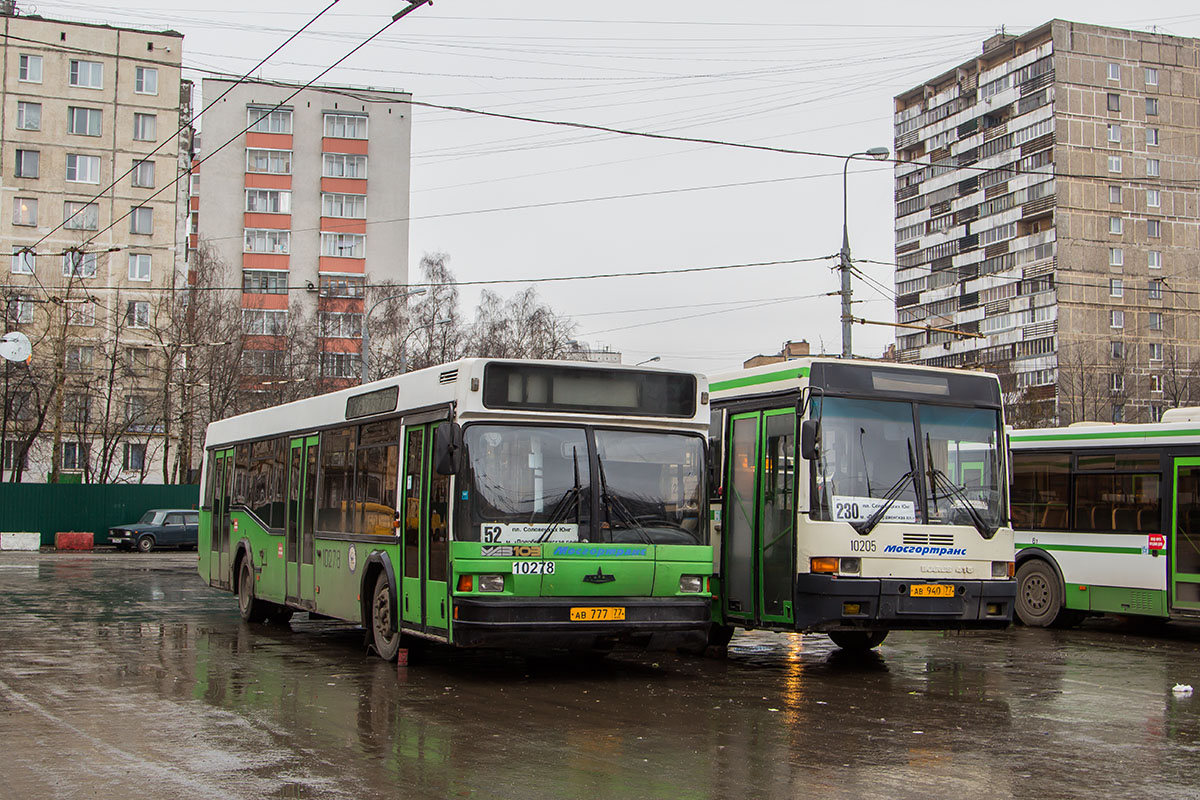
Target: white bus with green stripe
{"points": [[1108, 520], [860, 497]]}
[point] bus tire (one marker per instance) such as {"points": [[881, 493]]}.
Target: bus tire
{"points": [[1040, 596], [858, 640], [251, 608], [384, 632], [145, 543]]}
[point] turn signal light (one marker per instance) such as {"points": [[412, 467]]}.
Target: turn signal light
{"points": [[466, 583], [823, 564]]}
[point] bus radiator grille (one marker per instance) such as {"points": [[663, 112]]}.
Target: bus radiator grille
{"points": [[939, 539]]}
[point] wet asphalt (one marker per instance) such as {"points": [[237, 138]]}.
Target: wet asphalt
{"points": [[124, 676]]}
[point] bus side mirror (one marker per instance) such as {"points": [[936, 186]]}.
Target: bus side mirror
{"points": [[447, 448], [810, 438]]}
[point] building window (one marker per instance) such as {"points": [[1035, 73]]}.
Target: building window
{"points": [[1152, 170], [345, 126], [23, 261], [269, 201], [263, 362], [1116, 257], [139, 266], [1152, 106], [194, 185], [1154, 228], [1114, 163], [1116, 319], [1114, 194], [1118, 414], [29, 69], [143, 174], [273, 162], [79, 265], [1114, 133], [340, 165], [141, 220], [1115, 225], [1156, 412], [264, 281], [84, 121], [1153, 198], [1152, 136], [1114, 72], [83, 314], [266, 240], [25, 211], [1116, 382], [341, 365], [20, 310], [137, 314], [1156, 289], [1114, 101], [27, 164], [83, 169], [344, 245], [145, 80], [347, 206], [1117, 349], [79, 358], [1116, 287], [11, 450], [264, 120], [145, 127], [1156, 383], [264, 322], [342, 286], [1151, 76], [29, 116], [1156, 351], [1154, 259], [1156, 321], [81, 216], [135, 456], [74, 454], [87, 74], [340, 325], [138, 360]]}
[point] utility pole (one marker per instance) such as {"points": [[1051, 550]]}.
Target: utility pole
{"points": [[877, 153]]}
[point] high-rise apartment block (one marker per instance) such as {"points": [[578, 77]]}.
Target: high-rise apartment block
{"points": [[307, 203], [88, 217], [1046, 202]]}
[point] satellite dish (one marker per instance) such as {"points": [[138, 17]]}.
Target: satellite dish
{"points": [[15, 346]]}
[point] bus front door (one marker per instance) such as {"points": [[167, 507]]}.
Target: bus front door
{"points": [[424, 588], [218, 563], [298, 529], [1185, 536], [760, 519]]}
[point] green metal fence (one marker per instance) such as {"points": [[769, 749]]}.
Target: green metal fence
{"points": [[50, 508]]}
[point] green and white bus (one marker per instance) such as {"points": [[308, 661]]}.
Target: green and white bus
{"points": [[518, 504], [1108, 520], [860, 497]]}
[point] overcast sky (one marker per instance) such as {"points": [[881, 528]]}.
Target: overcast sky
{"points": [[797, 75]]}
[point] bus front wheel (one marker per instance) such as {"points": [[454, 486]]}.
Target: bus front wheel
{"points": [[384, 630], [858, 640], [1040, 597]]}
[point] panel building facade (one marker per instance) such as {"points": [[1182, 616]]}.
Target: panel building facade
{"points": [[1047, 221], [306, 206]]}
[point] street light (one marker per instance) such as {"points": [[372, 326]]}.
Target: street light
{"points": [[404, 342], [648, 361], [366, 332], [877, 153]]}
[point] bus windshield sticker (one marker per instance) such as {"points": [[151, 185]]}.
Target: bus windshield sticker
{"points": [[857, 509], [496, 532]]}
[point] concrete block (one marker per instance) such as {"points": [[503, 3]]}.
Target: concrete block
{"points": [[20, 540], [73, 540]]}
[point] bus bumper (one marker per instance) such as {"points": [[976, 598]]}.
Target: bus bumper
{"points": [[827, 603], [541, 622]]}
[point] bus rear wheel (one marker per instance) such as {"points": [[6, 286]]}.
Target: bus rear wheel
{"points": [[384, 629], [858, 640], [251, 608]]}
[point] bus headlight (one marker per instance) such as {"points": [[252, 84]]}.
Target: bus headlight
{"points": [[491, 583], [691, 584], [1003, 569], [851, 566]]}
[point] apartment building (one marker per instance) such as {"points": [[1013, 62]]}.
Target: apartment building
{"points": [[1047, 220], [306, 205], [88, 214]]}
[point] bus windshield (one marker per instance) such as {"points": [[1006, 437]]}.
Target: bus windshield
{"points": [[536, 484], [873, 449]]}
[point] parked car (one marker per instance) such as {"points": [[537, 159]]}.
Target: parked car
{"points": [[158, 527]]}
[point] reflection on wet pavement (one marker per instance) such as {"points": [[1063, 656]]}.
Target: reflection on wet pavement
{"points": [[124, 675]]}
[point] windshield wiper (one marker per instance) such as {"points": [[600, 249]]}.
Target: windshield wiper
{"points": [[571, 495], [954, 492], [611, 502], [893, 494]]}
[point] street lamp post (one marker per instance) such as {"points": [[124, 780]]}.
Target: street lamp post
{"points": [[877, 153], [366, 330], [648, 361]]}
